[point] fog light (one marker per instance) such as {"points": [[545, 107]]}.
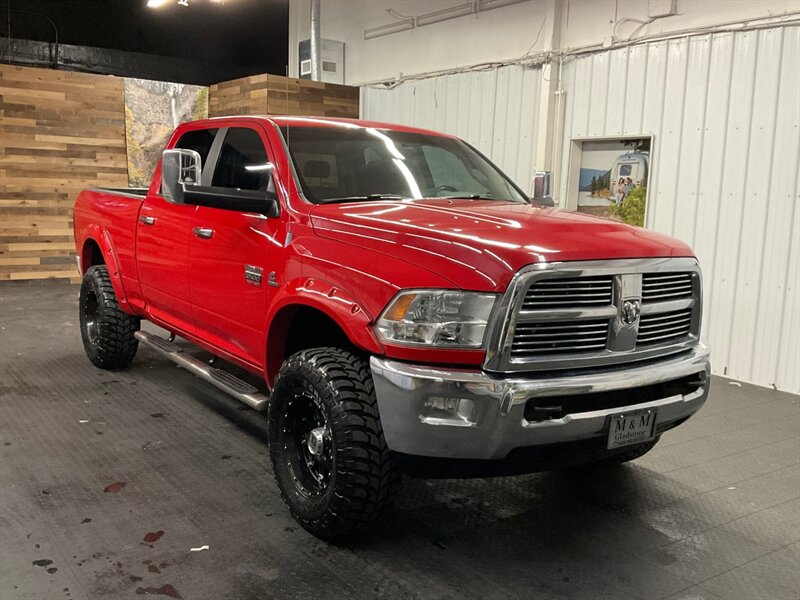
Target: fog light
{"points": [[457, 412]]}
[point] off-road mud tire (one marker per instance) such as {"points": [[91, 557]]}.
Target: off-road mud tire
{"points": [[363, 475], [107, 331]]}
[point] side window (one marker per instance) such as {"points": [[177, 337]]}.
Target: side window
{"points": [[242, 161], [199, 140]]}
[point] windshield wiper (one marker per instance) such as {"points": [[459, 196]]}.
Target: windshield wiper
{"points": [[361, 198]]}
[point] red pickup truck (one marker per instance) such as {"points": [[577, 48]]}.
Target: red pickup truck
{"points": [[404, 303]]}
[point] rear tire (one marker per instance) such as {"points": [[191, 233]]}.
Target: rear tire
{"points": [[106, 330], [328, 453]]}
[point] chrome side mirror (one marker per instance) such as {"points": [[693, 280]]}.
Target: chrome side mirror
{"points": [[179, 168], [542, 192]]}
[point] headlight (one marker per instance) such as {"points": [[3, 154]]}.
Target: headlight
{"points": [[442, 318]]}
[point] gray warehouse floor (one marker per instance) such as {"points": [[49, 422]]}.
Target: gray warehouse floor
{"points": [[111, 482]]}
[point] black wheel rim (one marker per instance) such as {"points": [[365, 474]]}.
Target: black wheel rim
{"points": [[91, 317], [308, 445]]}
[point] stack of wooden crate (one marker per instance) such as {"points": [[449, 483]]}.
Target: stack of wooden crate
{"points": [[277, 95]]}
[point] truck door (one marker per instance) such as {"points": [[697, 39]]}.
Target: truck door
{"points": [[230, 251], [163, 234]]}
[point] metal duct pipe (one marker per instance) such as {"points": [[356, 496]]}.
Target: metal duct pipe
{"points": [[316, 63], [461, 10]]}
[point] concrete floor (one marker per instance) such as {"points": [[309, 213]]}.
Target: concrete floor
{"points": [[109, 480]]}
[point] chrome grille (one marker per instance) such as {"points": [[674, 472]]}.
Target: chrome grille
{"points": [[666, 286], [573, 315], [661, 328], [538, 339], [569, 293]]}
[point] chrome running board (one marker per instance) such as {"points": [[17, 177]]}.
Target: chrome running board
{"points": [[227, 382]]}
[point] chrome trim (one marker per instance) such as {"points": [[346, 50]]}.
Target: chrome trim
{"points": [[667, 306], [621, 346], [496, 421], [205, 233], [253, 275], [173, 352], [559, 314]]}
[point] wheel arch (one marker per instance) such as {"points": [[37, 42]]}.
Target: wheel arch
{"points": [[98, 249], [303, 319], [91, 255]]}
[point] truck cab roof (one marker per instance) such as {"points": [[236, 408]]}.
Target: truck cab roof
{"points": [[308, 121]]}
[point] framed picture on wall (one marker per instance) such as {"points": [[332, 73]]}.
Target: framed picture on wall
{"points": [[609, 178]]}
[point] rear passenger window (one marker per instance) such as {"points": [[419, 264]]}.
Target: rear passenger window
{"points": [[199, 140], [242, 161]]}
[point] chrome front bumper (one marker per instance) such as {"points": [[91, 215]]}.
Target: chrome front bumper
{"points": [[486, 413]]}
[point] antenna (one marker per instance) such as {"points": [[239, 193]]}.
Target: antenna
{"points": [[287, 106]]}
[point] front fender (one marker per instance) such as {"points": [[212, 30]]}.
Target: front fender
{"points": [[102, 238], [350, 315], [335, 302]]}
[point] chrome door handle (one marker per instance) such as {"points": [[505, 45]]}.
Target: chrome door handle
{"points": [[147, 220], [203, 232]]}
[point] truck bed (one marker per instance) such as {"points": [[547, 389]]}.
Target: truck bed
{"points": [[109, 215]]}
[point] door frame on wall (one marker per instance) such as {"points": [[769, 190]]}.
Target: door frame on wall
{"points": [[570, 200]]}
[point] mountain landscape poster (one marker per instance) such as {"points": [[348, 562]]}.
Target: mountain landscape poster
{"points": [[152, 111]]}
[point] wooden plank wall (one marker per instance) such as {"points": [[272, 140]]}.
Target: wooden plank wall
{"points": [[59, 133], [277, 95]]}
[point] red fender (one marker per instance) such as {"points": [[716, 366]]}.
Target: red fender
{"points": [[101, 237], [329, 299]]}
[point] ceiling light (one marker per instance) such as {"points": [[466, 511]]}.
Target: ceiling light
{"points": [[156, 3]]}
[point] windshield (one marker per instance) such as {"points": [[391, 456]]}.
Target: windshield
{"points": [[350, 163]]}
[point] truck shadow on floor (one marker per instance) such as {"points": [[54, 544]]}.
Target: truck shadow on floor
{"points": [[546, 502], [576, 533]]}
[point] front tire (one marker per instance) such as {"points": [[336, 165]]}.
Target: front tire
{"points": [[328, 453], [106, 330]]}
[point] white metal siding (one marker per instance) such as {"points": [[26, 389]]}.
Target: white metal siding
{"points": [[724, 110], [496, 111]]}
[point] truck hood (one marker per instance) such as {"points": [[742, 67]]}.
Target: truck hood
{"points": [[481, 244]]}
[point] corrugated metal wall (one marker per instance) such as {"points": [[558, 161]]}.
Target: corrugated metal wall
{"points": [[724, 112], [496, 111]]}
